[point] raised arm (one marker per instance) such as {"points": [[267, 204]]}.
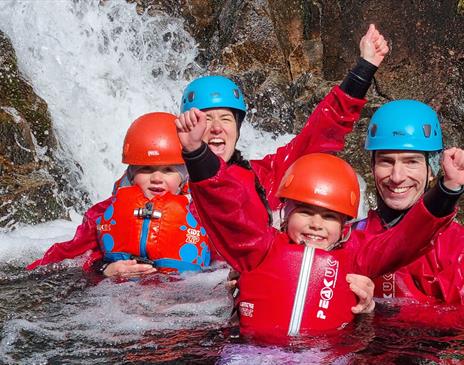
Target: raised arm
{"points": [[331, 121], [223, 201]]}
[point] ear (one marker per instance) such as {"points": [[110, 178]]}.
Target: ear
{"points": [[430, 176]]}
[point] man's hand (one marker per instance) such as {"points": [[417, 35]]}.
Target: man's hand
{"points": [[363, 287], [453, 168], [191, 126], [128, 269], [373, 46]]}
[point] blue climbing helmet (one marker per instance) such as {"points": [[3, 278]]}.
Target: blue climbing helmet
{"points": [[214, 92], [404, 125]]}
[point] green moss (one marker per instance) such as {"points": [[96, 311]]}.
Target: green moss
{"points": [[461, 7]]}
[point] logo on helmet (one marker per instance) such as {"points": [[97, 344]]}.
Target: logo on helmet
{"points": [[321, 190]]}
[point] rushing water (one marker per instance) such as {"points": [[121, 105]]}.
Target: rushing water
{"points": [[99, 67]]}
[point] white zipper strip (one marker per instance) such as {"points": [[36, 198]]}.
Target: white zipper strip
{"points": [[301, 291]]}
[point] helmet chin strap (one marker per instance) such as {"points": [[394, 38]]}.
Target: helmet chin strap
{"points": [[345, 237]]}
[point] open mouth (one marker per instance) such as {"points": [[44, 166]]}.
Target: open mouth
{"points": [[157, 191], [217, 145]]}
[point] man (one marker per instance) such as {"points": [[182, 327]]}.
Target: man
{"points": [[406, 141]]}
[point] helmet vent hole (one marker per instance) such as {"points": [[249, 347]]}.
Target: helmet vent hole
{"points": [[427, 130], [191, 96], [237, 94], [373, 130]]}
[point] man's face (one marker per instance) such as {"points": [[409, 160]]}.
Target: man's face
{"points": [[400, 177]]}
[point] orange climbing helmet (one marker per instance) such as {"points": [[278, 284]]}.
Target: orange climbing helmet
{"points": [[323, 180], [152, 140]]}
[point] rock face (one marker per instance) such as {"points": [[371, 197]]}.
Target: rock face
{"points": [[34, 185]]}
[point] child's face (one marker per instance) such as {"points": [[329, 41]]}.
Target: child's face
{"points": [[157, 180], [316, 226], [221, 132]]}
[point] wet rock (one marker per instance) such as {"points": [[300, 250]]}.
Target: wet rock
{"points": [[34, 186]]}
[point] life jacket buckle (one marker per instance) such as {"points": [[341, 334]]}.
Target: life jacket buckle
{"points": [[147, 212]]}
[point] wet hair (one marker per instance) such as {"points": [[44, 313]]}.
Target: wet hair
{"points": [[239, 160], [433, 160]]}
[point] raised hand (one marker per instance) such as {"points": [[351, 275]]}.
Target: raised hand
{"points": [[191, 126], [453, 168], [373, 46]]}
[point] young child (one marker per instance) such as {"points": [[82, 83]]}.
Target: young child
{"points": [[145, 226], [288, 285]]}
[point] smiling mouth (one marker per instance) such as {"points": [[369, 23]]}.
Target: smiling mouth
{"points": [[398, 190], [311, 237]]}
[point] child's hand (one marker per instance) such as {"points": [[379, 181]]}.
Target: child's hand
{"points": [[128, 269], [363, 287], [453, 168], [191, 126], [373, 46]]}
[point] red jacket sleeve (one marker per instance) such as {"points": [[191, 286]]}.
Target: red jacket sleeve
{"points": [[84, 239], [440, 273], [227, 211], [324, 131], [398, 246]]}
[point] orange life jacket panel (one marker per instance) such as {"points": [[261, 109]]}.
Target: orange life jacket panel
{"points": [[160, 229]]}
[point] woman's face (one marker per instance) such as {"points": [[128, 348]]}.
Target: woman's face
{"points": [[221, 132]]}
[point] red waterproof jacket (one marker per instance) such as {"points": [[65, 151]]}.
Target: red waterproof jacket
{"points": [[436, 277], [85, 239], [271, 301], [325, 130]]}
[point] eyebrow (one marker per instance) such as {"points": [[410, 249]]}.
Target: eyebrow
{"points": [[412, 155]]}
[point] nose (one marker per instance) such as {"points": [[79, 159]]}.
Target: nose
{"points": [[315, 222], [397, 174], [216, 126], [156, 177]]}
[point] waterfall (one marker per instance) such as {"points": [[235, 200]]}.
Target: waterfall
{"points": [[98, 67]]}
